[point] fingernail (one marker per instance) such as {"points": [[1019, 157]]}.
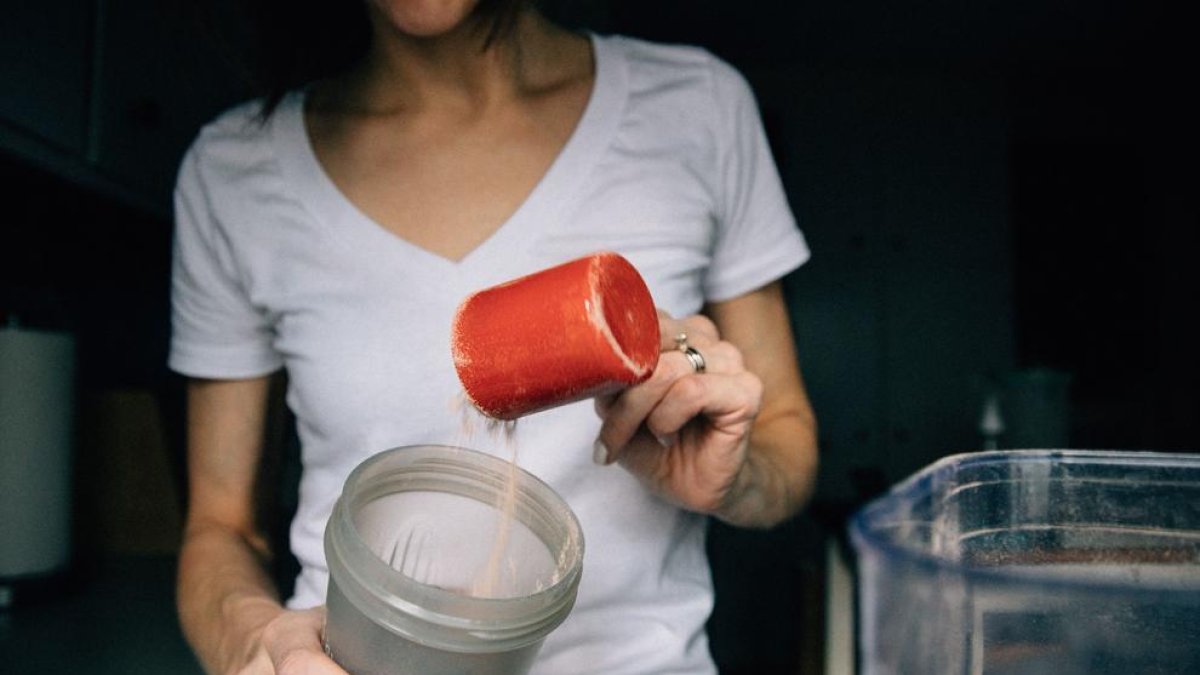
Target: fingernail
{"points": [[666, 440], [599, 453]]}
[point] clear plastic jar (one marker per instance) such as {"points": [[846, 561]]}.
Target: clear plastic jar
{"points": [[1068, 562], [412, 547]]}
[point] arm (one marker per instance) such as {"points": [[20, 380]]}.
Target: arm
{"points": [[228, 606], [778, 477], [737, 441]]}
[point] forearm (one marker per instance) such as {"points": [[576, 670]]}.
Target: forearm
{"points": [[224, 593], [779, 474]]}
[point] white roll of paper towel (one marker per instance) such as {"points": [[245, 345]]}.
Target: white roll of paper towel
{"points": [[37, 418]]}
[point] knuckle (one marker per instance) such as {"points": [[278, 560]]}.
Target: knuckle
{"points": [[256, 662], [276, 629], [753, 386], [294, 662], [671, 366], [604, 404], [729, 355], [654, 426], [271, 632], [703, 325], [618, 427], [691, 387]]}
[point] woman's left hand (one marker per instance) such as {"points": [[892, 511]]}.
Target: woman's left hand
{"points": [[685, 432]]}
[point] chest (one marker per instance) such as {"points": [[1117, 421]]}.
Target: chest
{"points": [[447, 183]]}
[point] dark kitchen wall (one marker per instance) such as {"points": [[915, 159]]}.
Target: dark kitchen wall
{"points": [[986, 187], [1000, 199], [998, 196], [101, 98], [74, 261], [77, 261]]}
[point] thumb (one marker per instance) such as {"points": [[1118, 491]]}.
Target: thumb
{"points": [[294, 645]]}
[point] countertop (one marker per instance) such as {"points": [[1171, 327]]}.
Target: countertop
{"points": [[118, 617]]}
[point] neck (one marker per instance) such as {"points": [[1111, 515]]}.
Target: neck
{"points": [[453, 69]]}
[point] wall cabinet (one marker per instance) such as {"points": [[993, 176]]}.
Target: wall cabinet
{"points": [[45, 73], [109, 94], [160, 79]]}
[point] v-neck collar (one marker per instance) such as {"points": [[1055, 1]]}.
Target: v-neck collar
{"points": [[321, 197]]}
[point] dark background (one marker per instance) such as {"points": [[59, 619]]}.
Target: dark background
{"points": [[1000, 196]]}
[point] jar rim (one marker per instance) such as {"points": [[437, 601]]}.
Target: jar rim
{"points": [[435, 616]]}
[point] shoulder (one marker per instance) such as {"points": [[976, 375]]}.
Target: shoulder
{"points": [[240, 123], [235, 145], [238, 136], [658, 65]]}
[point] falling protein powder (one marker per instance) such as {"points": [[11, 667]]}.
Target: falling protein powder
{"points": [[488, 583]]}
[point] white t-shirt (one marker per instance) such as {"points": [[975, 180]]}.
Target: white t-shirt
{"points": [[274, 268]]}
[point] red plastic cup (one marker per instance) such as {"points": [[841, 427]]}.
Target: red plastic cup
{"points": [[581, 329]]}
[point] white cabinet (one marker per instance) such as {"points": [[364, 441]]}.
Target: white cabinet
{"points": [[899, 180]]}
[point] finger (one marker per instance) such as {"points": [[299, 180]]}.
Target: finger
{"points": [[699, 329], [718, 357], [307, 662], [603, 403], [727, 401], [294, 644], [642, 455], [623, 415]]}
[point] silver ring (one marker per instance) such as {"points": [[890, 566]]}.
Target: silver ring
{"points": [[681, 341], [694, 357]]}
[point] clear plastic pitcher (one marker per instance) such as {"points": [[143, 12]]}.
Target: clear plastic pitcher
{"points": [[1057, 562], [420, 581]]}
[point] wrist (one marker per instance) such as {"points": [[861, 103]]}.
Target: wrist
{"points": [[244, 619], [777, 477], [743, 504]]}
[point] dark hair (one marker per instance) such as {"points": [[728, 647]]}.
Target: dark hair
{"points": [[295, 43]]}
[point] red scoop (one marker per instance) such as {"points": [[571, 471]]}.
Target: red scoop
{"points": [[581, 329]]}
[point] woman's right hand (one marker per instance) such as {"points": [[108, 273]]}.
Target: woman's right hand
{"points": [[289, 644]]}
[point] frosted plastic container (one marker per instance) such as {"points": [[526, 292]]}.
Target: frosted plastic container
{"points": [[1057, 562], [412, 588]]}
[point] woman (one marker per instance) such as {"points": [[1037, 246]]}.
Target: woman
{"points": [[333, 233]]}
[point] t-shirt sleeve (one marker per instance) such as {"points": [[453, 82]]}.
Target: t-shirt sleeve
{"points": [[758, 240], [216, 331]]}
